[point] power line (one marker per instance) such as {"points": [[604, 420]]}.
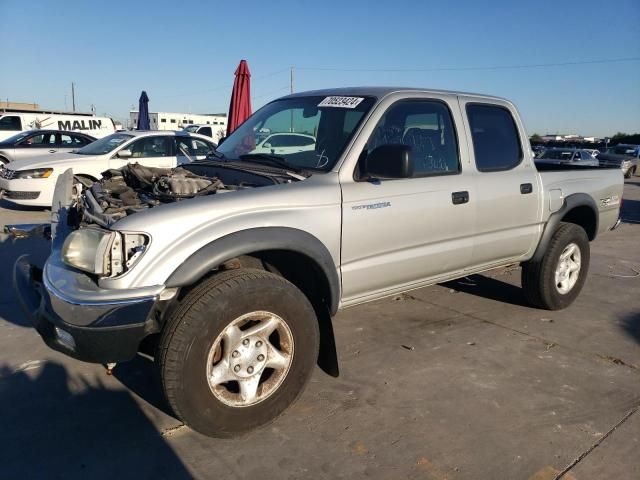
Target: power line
{"points": [[222, 87], [474, 68]]}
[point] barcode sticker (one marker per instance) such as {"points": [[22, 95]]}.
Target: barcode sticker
{"points": [[341, 102]]}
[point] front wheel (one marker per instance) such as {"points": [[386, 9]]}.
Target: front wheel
{"points": [[237, 351], [555, 281]]}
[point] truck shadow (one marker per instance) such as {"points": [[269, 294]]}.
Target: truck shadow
{"points": [[631, 326], [61, 426], [630, 211], [24, 208], [10, 250], [490, 288], [140, 377]]}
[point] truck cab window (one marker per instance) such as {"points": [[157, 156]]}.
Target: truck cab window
{"points": [[495, 138], [426, 126]]}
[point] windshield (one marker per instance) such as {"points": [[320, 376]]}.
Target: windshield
{"points": [[622, 150], [104, 145], [557, 154], [306, 132], [191, 128]]}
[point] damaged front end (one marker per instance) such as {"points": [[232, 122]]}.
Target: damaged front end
{"points": [[135, 188], [90, 209]]}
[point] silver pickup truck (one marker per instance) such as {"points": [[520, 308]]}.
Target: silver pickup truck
{"points": [[232, 268]]}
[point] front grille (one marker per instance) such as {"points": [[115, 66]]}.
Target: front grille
{"points": [[21, 195], [6, 173]]}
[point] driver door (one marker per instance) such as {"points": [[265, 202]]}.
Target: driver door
{"points": [[400, 233], [38, 144]]}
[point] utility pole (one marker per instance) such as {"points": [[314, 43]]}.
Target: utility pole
{"points": [[291, 129], [291, 81], [73, 96]]}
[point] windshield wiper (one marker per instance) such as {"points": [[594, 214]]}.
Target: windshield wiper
{"points": [[216, 154], [268, 158]]}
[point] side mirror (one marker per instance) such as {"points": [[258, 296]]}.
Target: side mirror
{"points": [[389, 161], [126, 153], [267, 145]]}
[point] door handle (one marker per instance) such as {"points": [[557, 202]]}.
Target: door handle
{"points": [[52, 151], [459, 198], [526, 188]]}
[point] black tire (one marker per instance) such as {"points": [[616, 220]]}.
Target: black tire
{"points": [[197, 322], [3, 161], [538, 278], [629, 173]]}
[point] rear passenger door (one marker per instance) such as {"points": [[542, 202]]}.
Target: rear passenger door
{"points": [[507, 183], [399, 233], [189, 149], [154, 151], [66, 142]]}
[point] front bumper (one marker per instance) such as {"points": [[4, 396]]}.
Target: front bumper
{"points": [[83, 326], [34, 192]]}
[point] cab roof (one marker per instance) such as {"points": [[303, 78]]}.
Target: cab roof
{"points": [[380, 92]]}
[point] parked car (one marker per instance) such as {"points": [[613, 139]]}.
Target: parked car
{"points": [[212, 131], [572, 156], [538, 150], [14, 122], [286, 143], [39, 142], [625, 156], [592, 151], [237, 285], [31, 181]]}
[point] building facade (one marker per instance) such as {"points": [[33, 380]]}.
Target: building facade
{"points": [[178, 121]]}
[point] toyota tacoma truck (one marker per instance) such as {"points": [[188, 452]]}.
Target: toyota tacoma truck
{"points": [[232, 268]]}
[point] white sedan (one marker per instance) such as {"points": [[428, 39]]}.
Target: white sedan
{"points": [[32, 181], [286, 143]]}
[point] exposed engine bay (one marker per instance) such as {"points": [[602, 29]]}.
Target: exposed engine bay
{"points": [[134, 187]]}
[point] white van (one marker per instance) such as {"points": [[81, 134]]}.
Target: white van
{"points": [[13, 122]]}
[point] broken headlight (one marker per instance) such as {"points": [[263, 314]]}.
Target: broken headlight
{"points": [[106, 253]]}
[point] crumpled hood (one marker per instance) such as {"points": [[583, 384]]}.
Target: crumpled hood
{"points": [[58, 161]]}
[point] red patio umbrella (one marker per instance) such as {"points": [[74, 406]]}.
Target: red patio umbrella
{"points": [[240, 107]]}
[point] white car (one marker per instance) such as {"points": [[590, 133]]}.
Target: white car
{"points": [[286, 143], [592, 151], [32, 181]]}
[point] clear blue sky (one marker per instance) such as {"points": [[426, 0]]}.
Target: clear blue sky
{"points": [[184, 53]]}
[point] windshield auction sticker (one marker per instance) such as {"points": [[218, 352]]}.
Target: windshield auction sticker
{"points": [[341, 102]]}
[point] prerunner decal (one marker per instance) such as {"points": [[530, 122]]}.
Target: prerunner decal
{"points": [[341, 102], [371, 206]]}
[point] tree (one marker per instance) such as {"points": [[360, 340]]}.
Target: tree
{"points": [[535, 138]]}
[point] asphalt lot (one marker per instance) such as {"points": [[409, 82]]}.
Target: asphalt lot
{"points": [[456, 381]]}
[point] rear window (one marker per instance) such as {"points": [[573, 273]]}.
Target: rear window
{"points": [[495, 138]]}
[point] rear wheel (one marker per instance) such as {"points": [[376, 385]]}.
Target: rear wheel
{"points": [[555, 281], [237, 351]]}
